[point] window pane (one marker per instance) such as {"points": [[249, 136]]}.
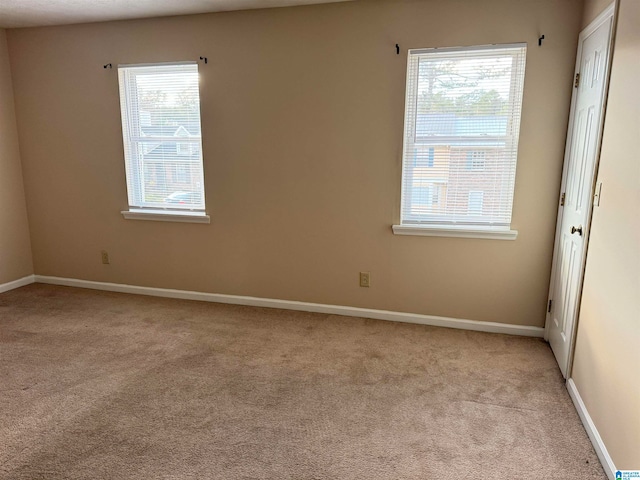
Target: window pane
{"points": [[162, 136], [462, 120]]}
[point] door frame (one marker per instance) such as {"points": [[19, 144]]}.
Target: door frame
{"points": [[609, 13]]}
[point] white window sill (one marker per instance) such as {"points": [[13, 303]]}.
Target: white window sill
{"points": [[167, 216], [463, 232]]}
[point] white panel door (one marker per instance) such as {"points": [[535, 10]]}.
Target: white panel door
{"points": [[578, 178]]}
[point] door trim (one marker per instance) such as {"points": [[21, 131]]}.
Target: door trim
{"points": [[608, 14]]}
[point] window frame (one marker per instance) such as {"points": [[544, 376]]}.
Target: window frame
{"points": [[133, 148], [441, 225]]}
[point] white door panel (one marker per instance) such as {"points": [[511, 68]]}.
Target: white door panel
{"points": [[578, 178]]}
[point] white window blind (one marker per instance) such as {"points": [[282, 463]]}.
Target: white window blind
{"points": [[462, 119], [160, 107]]}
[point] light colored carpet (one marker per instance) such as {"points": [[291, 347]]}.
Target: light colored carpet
{"points": [[98, 385]]}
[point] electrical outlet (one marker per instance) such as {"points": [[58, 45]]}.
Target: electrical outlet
{"points": [[105, 257], [365, 279]]}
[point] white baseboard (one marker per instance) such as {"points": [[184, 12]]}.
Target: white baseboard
{"points": [[21, 282], [492, 327], [302, 306], [592, 431]]}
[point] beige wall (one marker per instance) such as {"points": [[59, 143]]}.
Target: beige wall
{"points": [[593, 8], [606, 364], [15, 247], [302, 113]]}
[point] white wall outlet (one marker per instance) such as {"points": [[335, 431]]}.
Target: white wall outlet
{"points": [[105, 257], [365, 279]]}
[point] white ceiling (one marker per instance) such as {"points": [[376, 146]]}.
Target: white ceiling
{"points": [[32, 13]]}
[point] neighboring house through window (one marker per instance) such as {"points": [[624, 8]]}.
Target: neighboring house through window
{"points": [[423, 196], [160, 106], [476, 201], [475, 159], [462, 120], [424, 157], [183, 173]]}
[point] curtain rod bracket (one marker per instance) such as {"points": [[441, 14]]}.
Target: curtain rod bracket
{"points": [[397, 49], [108, 65], [540, 39], [206, 60]]}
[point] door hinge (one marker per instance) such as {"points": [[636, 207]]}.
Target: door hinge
{"points": [[597, 194], [562, 199], [576, 83], [549, 305]]}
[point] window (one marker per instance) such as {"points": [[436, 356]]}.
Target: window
{"points": [[183, 173], [424, 196], [476, 201], [462, 109], [184, 149], [424, 157], [160, 106], [475, 160]]}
